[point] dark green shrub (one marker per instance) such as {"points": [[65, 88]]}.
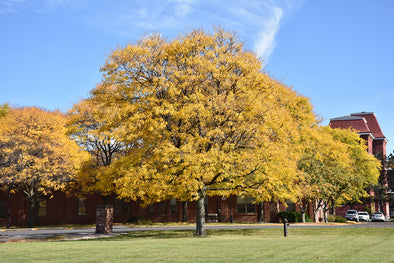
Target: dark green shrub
{"points": [[293, 217], [340, 219], [336, 218], [139, 220], [307, 218]]}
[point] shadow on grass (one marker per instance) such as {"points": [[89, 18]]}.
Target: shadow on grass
{"points": [[300, 232], [164, 234], [154, 234]]}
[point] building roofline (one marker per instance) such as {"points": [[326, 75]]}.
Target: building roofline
{"points": [[348, 118], [382, 138], [367, 133], [362, 113]]}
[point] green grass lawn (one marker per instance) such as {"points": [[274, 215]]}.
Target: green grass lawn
{"points": [[263, 245]]}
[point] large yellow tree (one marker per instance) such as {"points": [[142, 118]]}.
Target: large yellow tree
{"points": [[203, 119], [36, 155]]}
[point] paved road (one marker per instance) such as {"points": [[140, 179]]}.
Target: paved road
{"points": [[62, 233]]}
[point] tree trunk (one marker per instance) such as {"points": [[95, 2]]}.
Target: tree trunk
{"points": [[316, 207], [333, 207], [325, 211], [200, 215], [303, 207], [31, 220], [260, 212], [184, 212], [315, 215], [381, 206]]}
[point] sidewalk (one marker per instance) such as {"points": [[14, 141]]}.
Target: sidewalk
{"points": [[51, 234]]}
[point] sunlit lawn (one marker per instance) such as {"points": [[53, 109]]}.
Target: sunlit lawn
{"points": [[263, 245]]}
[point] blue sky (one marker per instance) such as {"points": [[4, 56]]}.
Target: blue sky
{"points": [[340, 54]]}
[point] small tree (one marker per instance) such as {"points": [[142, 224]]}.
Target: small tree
{"points": [[4, 108], [87, 126], [335, 168], [365, 171], [390, 160], [36, 156], [381, 187]]}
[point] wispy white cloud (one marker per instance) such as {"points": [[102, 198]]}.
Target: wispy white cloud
{"points": [[125, 18], [10, 6], [259, 21], [183, 7], [256, 21], [265, 43]]}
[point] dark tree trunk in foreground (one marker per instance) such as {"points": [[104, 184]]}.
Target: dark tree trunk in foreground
{"points": [[333, 205], [31, 221], [200, 215], [184, 212], [260, 212]]}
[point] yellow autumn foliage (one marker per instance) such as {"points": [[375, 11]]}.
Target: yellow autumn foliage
{"points": [[36, 155], [335, 166], [88, 126], [200, 116]]}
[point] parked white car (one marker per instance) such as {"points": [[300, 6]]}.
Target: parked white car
{"points": [[363, 216], [351, 215], [378, 216]]}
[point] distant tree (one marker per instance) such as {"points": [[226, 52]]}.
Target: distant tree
{"points": [[381, 187], [324, 165], [87, 126], [203, 119], [4, 108], [36, 156], [390, 160], [336, 168], [366, 169]]}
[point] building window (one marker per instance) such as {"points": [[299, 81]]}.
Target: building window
{"points": [[173, 206], [161, 208], [121, 207], [151, 209], [290, 206], [3, 208], [246, 205], [81, 207], [42, 208]]}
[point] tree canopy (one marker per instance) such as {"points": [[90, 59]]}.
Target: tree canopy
{"points": [[335, 168], [390, 160], [36, 155], [87, 124], [201, 118], [4, 108]]}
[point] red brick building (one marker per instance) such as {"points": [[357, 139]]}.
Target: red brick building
{"points": [[62, 209], [367, 126]]}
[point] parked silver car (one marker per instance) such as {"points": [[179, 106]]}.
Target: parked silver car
{"points": [[378, 216], [363, 216], [351, 215]]}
